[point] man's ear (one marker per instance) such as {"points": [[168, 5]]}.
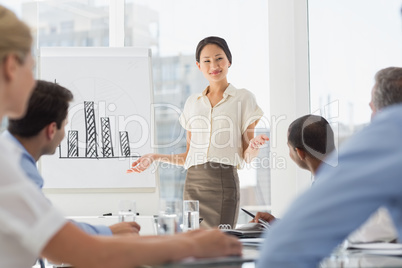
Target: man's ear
{"points": [[301, 154], [51, 130]]}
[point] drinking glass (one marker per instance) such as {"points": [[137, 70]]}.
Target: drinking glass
{"points": [[169, 217], [127, 210], [191, 215]]}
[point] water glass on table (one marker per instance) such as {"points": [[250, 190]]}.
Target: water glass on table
{"points": [[191, 215], [127, 210], [169, 217]]}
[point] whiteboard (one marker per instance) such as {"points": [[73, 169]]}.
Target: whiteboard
{"points": [[110, 122]]}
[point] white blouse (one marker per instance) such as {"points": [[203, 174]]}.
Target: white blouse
{"points": [[27, 219], [216, 132]]}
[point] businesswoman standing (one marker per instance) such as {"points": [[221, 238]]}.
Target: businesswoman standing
{"points": [[220, 124]]}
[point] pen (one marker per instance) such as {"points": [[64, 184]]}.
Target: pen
{"points": [[265, 223]]}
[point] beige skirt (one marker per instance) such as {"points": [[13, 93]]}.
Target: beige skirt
{"points": [[216, 186]]}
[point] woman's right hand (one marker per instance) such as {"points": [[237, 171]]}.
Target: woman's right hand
{"points": [[142, 163]]}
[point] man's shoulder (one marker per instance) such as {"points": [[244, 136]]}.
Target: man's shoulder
{"points": [[8, 148], [6, 135], [9, 159], [390, 114]]}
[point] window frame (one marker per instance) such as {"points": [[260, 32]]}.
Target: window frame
{"points": [[289, 84]]}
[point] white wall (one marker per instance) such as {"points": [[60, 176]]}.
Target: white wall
{"points": [[289, 87], [93, 203]]}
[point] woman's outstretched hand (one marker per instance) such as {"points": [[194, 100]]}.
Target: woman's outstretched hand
{"points": [[142, 163], [258, 141], [254, 147]]}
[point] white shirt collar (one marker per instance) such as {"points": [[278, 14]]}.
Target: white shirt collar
{"points": [[229, 91]]}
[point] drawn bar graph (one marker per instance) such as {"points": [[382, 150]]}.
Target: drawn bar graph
{"points": [[124, 143], [89, 112], [72, 143], [91, 144], [107, 148]]}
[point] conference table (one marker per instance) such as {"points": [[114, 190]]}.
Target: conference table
{"points": [[339, 259]]}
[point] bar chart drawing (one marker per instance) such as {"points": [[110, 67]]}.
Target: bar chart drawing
{"points": [[90, 127], [72, 143], [91, 138], [110, 121], [107, 148], [124, 143]]}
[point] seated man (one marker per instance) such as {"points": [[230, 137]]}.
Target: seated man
{"points": [[39, 133], [367, 177], [310, 141]]}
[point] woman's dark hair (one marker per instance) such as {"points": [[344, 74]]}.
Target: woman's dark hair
{"points": [[312, 134], [48, 103], [213, 40]]}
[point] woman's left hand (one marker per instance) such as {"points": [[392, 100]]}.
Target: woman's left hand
{"points": [[258, 141]]}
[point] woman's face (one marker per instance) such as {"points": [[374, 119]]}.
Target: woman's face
{"points": [[21, 86], [213, 63]]}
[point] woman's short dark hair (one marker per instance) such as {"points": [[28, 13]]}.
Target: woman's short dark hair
{"points": [[213, 40], [49, 103], [311, 133]]}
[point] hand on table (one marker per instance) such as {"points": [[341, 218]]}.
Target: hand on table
{"points": [[125, 228], [214, 243]]}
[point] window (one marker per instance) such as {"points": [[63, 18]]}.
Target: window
{"points": [[349, 42], [69, 23], [64, 23]]}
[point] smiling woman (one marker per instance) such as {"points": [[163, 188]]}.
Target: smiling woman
{"points": [[220, 125], [177, 26]]}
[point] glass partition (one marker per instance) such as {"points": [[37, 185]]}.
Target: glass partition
{"points": [[349, 42]]}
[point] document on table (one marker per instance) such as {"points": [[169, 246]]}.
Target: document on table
{"points": [[252, 241], [378, 248], [248, 230]]}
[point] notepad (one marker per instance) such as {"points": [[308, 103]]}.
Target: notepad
{"points": [[248, 230]]}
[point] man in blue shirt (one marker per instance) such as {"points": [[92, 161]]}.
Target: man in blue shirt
{"points": [[367, 177], [39, 133]]}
